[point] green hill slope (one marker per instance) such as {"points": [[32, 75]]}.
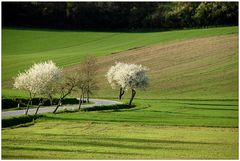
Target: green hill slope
{"points": [[189, 111], [21, 48], [204, 68]]}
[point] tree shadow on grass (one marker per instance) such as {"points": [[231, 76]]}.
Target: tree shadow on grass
{"points": [[94, 140], [111, 108], [193, 106], [115, 108], [97, 142], [67, 150], [191, 115], [208, 104], [156, 141], [199, 100]]}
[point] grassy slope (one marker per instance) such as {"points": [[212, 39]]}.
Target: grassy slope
{"points": [[156, 128], [21, 48], [205, 68], [209, 113], [77, 140], [192, 130]]}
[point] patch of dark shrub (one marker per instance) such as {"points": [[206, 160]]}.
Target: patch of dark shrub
{"points": [[12, 103], [8, 103], [13, 121]]}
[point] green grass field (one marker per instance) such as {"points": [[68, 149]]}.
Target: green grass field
{"points": [[21, 48], [205, 68], [155, 129], [189, 111]]}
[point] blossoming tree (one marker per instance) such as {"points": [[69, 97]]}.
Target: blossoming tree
{"points": [[45, 75], [23, 82], [128, 76], [113, 76], [39, 80]]}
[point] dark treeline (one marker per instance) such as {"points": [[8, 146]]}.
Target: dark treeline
{"points": [[119, 15]]}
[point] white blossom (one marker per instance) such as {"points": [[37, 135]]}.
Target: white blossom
{"points": [[39, 78], [127, 76]]}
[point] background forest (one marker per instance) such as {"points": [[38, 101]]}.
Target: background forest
{"points": [[120, 15]]}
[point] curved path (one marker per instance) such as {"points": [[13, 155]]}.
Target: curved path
{"points": [[98, 102]]}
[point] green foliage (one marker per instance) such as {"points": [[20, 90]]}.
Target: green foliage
{"points": [[21, 120], [215, 13], [110, 15]]}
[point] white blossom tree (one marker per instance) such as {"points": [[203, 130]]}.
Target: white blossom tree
{"points": [[114, 76], [44, 75], [23, 82], [39, 80], [128, 76]]}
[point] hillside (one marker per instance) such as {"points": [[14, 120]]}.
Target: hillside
{"points": [[21, 48], [204, 68], [189, 111]]}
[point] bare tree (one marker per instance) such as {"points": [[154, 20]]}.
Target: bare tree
{"points": [[82, 87], [88, 70], [64, 87]]}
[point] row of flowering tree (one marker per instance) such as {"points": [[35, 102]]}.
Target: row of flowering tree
{"points": [[45, 80], [127, 76]]}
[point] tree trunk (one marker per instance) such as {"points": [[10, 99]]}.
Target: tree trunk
{"points": [[26, 112], [83, 96], [133, 95], [80, 102], [88, 94], [51, 100], [39, 104], [88, 97], [121, 93], [37, 109], [59, 104], [29, 102]]}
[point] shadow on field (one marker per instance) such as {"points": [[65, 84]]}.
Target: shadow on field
{"points": [[205, 104], [66, 150], [197, 100], [115, 108], [193, 115], [137, 109], [109, 142], [97, 143], [154, 141], [193, 106], [127, 140]]}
